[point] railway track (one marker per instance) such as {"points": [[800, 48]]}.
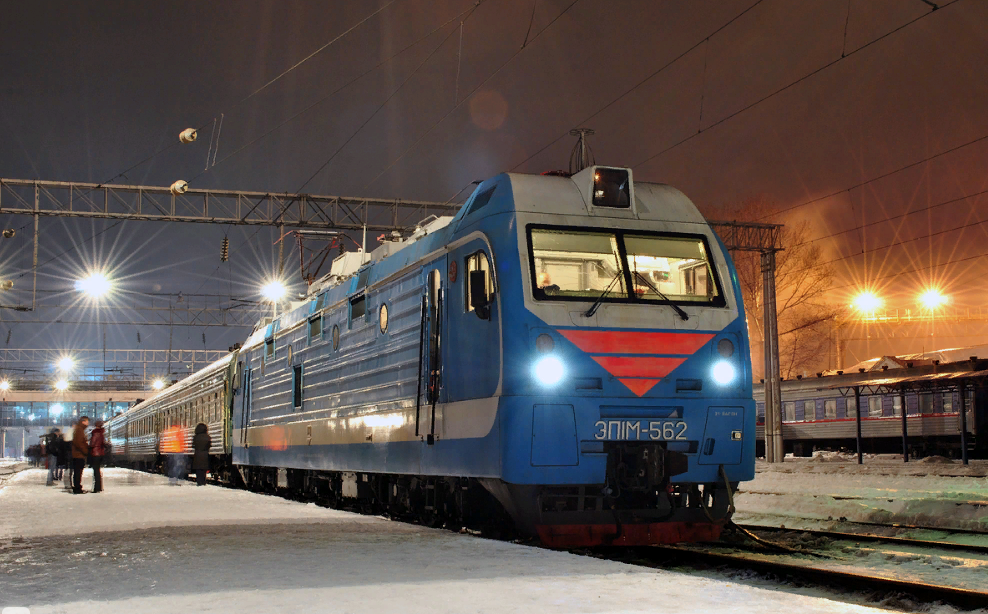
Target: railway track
{"points": [[874, 588], [833, 560], [887, 539]]}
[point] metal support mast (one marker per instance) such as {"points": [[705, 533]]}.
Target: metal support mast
{"points": [[766, 239]]}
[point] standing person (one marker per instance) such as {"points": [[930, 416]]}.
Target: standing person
{"points": [[65, 462], [52, 444], [80, 451], [200, 457], [172, 448], [97, 449]]}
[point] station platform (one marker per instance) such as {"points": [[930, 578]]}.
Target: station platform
{"points": [[145, 546]]}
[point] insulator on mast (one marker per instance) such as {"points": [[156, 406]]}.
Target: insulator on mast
{"points": [[225, 250], [179, 187]]}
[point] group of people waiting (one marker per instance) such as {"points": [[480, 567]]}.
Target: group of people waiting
{"points": [[67, 458]]}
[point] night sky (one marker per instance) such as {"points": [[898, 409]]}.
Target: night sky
{"points": [[793, 101]]}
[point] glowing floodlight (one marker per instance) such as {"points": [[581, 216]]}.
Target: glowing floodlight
{"points": [[65, 363], [61, 385], [724, 373], [96, 285], [274, 291], [932, 299], [4, 385], [549, 371], [158, 384], [57, 409], [866, 301]]}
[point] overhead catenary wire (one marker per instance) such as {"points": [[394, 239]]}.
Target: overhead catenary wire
{"points": [[253, 93], [318, 102], [641, 82], [787, 86], [468, 96], [878, 178], [890, 218], [382, 105], [915, 270]]}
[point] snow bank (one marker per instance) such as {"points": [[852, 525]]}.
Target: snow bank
{"points": [[924, 494]]}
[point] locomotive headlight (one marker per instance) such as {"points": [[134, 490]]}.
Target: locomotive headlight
{"points": [[724, 372], [549, 371]]}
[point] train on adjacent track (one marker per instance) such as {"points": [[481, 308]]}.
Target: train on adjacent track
{"points": [[568, 354], [818, 413]]}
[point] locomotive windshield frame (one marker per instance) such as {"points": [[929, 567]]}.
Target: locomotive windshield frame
{"points": [[662, 268]]}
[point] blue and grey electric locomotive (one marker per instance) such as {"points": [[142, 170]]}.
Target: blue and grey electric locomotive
{"points": [[568, 351]]}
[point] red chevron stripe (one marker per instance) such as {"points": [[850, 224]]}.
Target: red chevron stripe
{"points": [[627, 342], [639, 386], [639, 366]]}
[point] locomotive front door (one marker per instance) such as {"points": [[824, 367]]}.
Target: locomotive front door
{"points": [[430, 388]]}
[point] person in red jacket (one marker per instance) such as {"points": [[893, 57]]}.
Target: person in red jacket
{"points": [[97, 450]]}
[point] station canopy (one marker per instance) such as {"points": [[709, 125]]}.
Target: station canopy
{"points": [[894, 383]]}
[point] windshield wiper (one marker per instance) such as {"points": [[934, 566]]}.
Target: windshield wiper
{"points": [[600, 299], [679, 310]]}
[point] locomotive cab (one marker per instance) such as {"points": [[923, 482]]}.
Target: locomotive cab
{"points": [[626, 413]]}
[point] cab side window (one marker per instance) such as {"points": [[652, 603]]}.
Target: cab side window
{"points": [[478, 261]]}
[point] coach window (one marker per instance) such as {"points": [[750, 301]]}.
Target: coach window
{"points": [[269, 348], [315, 328], [358, 308], [874, 406], [809, 410], [830, 408], [896, 405], [948, 402], [926, 403], [789, 407], [478, 262], [336, 337]]}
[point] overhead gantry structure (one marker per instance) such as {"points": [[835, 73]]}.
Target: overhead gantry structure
{"points": [[164, 204]]}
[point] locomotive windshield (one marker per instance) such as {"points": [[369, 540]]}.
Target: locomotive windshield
{"points": [[575, 264]]}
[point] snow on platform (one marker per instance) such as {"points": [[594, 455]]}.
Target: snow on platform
{"points": [[829, 487], [145, 546]]}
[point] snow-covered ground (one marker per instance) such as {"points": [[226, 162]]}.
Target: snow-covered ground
{"points": [[144, 546], [831, 487]]}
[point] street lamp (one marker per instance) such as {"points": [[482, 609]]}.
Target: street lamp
{"points": [[932, 299], [95, 285], [274, 291], [866, 302]]}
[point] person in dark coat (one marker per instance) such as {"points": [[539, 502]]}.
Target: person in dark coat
{"points": [[65, 462], [200, 457], [53, 443], [80, 452], [97, 449]]}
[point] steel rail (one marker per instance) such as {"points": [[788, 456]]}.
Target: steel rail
{"points": [[871, 537], [843, 581]]}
